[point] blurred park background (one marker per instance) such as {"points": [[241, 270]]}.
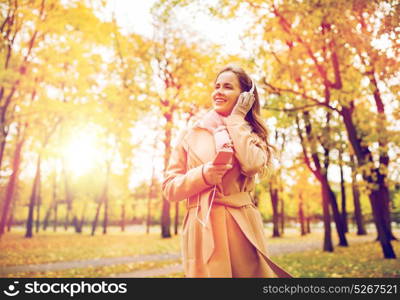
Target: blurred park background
{"points": [[94, 93]]}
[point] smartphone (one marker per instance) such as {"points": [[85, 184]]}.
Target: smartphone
{"points": [[223, 157]]}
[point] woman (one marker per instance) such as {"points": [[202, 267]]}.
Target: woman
{"points": [[222, 230]]}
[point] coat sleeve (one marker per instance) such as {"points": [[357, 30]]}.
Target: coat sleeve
{"points": [[180, 183], [250, 150]]}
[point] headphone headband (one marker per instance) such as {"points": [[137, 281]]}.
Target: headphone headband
{"points": [[252, 86]]}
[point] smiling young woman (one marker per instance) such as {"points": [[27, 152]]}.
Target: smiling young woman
{"points": [[223, 230]]}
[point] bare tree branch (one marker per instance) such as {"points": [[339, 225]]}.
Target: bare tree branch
{"points": [[279, 91]]}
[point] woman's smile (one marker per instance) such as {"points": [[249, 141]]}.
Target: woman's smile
{"points": [[219, 100]]}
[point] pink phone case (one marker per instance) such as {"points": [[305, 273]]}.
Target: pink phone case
{"points": [[223, 157]]}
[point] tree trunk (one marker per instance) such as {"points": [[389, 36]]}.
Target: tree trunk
{"points": [[55, 201], [52, 207], [3, 113], [75, 223], [66, 220], [165, 213], [337, 217], [148, 219], [302, 220], [105, 217], [318, 173], [81, 222], [105, 198], [343, 193], [149, 196], [308, 224], [256, 198], [356, 199], [55, 217], [357, 211], [2, 147], [282, 212], [32, 201], [11, 219], [47, 217], [376, 197], [39, 202], [275, 212], [384, 233], [96, 217], [383, 140], [123, 213], [165, 219], [324, 177], [68, 196], [384, 196], [12, 182], [134, 215], [328, 246]]}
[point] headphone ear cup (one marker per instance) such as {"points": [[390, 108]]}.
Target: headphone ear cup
{"points": [[245, 98]]}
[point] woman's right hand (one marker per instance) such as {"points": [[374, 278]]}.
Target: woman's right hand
{"points": [[213, 173], [243, 104]]}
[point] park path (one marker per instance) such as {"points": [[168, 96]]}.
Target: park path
{"points": [[274, 249], [98, 262]]}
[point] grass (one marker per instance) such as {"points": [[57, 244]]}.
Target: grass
{"points": [[358, 260], [56, 247], [361, 260], [95, 272]]}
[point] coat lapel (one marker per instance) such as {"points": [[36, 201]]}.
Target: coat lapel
{"points": [[200, 146]]}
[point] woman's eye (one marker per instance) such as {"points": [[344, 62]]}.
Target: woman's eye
{"points": [[225, 87]]}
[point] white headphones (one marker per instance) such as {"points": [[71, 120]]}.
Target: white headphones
{"points": [[252, 87], [251, 91]]}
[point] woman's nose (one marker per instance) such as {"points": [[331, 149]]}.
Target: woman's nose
{"points": [[219, 91]]}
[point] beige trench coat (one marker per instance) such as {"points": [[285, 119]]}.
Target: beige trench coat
{"points": [[232, 244]]}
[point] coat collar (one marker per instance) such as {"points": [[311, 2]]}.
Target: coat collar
{"points": [[208, 120]]}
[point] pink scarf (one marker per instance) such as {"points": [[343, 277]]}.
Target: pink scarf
{"points": [[215, 124]]}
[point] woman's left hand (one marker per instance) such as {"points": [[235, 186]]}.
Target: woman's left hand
{"points": [[213, 173]]}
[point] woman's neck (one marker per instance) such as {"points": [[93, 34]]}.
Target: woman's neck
{"points": [[223, 115]]}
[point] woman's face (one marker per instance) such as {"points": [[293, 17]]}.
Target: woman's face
{"points": [[226, 92]]}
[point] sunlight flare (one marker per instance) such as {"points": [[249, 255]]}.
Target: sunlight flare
{"points": [[82, 153]]}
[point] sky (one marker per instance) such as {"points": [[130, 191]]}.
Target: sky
{"points": [[134, 16]]}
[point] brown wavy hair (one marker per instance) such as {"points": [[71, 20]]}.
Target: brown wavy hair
{"points": [[254, 114]]}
